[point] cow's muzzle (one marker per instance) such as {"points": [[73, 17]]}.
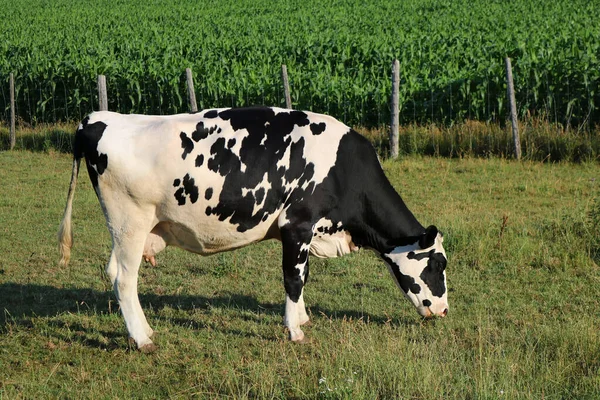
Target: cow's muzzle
{"points": [[430, 314]]}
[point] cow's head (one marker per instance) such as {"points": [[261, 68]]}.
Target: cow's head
{"points": [[419, 270]]}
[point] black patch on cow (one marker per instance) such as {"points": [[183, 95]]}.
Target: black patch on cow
{"points": [[211, 114], [176, 182], [428, 238], [259, 195], [86, 144], [223, 160], [199, 160], [231, 143], [433, 274], [186, 144], [202, 131], [413, 256], [208, 193], [208, 211], [330, 230], [260, 150], [188, 189], [180, 197], [415, 288], [426, 303], [317, 129]]}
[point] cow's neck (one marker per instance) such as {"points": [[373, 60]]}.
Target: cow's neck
{"points": [[389, 223], [369, 207]]}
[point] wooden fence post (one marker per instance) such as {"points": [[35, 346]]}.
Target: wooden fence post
{"points": [[102, 96], [286, 86], [13, 138], [510, 90], [395, 123], [191, 92]]}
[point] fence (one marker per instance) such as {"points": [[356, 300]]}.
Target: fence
{"points": [[87, 103]]}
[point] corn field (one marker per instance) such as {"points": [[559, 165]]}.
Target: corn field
{"points": [[338, 55]]}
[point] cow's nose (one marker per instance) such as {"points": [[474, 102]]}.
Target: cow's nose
{"points": [[443, 313]]}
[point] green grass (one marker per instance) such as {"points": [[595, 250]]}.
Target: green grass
{"points": [[523, 248]]}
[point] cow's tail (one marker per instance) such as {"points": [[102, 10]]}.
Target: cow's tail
{"points": [[65, 233]]}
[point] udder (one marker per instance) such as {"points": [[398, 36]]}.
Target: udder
{"points": [[155, 243], [332, 245]]}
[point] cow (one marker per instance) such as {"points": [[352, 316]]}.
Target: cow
{"points": [[221, 179]]}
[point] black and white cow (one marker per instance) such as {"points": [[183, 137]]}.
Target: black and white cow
{"points": [[221, 179]]}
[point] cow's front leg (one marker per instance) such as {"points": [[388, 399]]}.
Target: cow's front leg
{"points": [[295, 243]]}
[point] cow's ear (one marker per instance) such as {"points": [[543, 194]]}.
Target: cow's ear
{"points": [[428, 238]]}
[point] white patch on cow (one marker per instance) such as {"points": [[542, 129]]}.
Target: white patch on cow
{"points": [[283, 219], [320, 150], [264, 139], [324, 223], [305, 247], [285, 159], [94, 167], [265, 185], [235, 149]]}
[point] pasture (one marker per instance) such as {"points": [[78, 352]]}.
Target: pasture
{"points": [[523, 248]]}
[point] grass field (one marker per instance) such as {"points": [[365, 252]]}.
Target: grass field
{"points": [[523, 247]]}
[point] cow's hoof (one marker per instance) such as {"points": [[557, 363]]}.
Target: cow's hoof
{"points": [[297, 336], [304, 340], [148, 348], [145, 348]]}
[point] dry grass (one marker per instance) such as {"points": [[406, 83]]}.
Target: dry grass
{"points": [[540, 141]]}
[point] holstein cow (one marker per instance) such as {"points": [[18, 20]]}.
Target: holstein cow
{"points": [[221, 179]]}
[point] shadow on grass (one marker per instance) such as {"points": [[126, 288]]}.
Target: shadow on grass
{"points": [[22, 303]]}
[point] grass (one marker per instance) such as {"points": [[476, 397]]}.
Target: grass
{"points": [[540, 140], [522, 241]]}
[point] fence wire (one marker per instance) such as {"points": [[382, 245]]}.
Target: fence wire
{"points": [[556, 99]]}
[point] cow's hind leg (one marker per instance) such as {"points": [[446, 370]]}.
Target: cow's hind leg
{"points": [[296, 243], [111, 270], [127, 254], [129, 237]]}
